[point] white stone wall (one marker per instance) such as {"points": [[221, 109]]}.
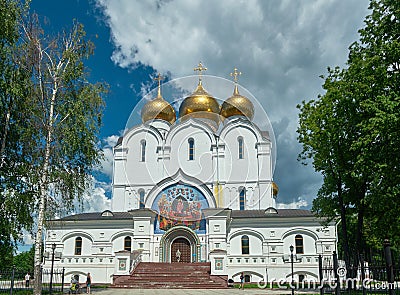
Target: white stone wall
{"points": [[216, 160]]}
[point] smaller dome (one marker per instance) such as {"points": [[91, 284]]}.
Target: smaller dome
{"points": [[158, 108], [237, 105], [275, 189]]}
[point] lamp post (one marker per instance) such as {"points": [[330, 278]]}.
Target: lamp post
{"points": [[53, 248], [291, 262]]}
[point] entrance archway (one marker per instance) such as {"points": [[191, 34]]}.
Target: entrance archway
{"points": [[183, 239], [181, 250]]}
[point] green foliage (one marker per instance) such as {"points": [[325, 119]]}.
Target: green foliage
{"points": [[351, 133], [24, 261], [50, 116], [16, 196]]}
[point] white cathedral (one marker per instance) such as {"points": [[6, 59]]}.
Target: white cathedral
{"points": [[193, 187]]}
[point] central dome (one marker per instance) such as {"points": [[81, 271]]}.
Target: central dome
{"points": [[200, 104]]}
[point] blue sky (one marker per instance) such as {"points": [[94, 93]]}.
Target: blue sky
{"points": [[280, 46]]}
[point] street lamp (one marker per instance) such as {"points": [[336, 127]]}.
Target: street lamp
{"points": [[291, 262], [53, 248]]}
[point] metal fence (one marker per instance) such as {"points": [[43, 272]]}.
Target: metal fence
{"points": [[376, 275], [12, 281]]}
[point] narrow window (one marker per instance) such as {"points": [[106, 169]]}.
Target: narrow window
{"points": [[240, 142], [78, 246], [191, 149], [299, 244], [141, 199], [245, 245], [128, 244], [143, 151], [242, 199]]}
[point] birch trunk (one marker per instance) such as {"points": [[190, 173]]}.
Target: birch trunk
{"points": [[42, 201]]}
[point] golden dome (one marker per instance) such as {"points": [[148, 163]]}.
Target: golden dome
{"points": [[158, 108], [237, 105], [200, 104], [275, 189]]}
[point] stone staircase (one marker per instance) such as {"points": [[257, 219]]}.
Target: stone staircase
{"points": [[176, 275]]}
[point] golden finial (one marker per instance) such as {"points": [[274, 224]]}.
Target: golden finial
{"points": [[200, 68], [159, 78], [235, 75]]}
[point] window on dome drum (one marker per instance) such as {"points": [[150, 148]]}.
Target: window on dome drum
{"points": [[143, 151], [78, 246], [245, 245], [242, 198], [191, 149], [240, 142], [141, 199], [299, 244], [128, 244]]}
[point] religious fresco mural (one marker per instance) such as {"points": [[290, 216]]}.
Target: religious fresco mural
{"points": [[180, 204]]}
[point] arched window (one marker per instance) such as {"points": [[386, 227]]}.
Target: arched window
{"points": [[128, 244], [245, 245], [299, 244], [240, 142], [141, 199], [143, 150], [191, 149], [78, 246], [242, 198]]}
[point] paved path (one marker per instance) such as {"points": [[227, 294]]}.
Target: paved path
{"points": [[192, 292]]}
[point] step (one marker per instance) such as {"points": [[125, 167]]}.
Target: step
{"points": [[170, 275]]}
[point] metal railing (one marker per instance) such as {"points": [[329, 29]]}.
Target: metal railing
{"points": [[135, 262], [13, 280]]}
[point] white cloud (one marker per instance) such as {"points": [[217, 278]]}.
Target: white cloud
{"points": [[27, 238], [107, 163], [280, 46], [95, 199], [300, 203]]}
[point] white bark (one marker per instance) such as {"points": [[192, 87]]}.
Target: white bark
{"points": [[44, 181]]}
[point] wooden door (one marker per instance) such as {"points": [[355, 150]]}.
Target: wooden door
{"points": [[183, 246]]}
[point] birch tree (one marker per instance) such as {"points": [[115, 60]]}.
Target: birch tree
{"points": [[65, 116]]}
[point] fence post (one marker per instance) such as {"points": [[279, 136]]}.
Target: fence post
{"points": [[62, 281], [364, 290], [389, 266], [321, 275], [12, 280], [335, 269]]}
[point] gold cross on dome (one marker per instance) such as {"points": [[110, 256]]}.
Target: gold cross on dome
{"points": [[235, 74], [200, 68], [159, 78]]}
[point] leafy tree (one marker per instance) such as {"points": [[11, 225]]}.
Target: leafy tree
{"points": [[24, 260], [66, 116], [375, 61], [352, 135], [15, 191]]}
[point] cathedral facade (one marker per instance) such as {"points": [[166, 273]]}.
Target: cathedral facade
{"points": [[193, 185]]}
